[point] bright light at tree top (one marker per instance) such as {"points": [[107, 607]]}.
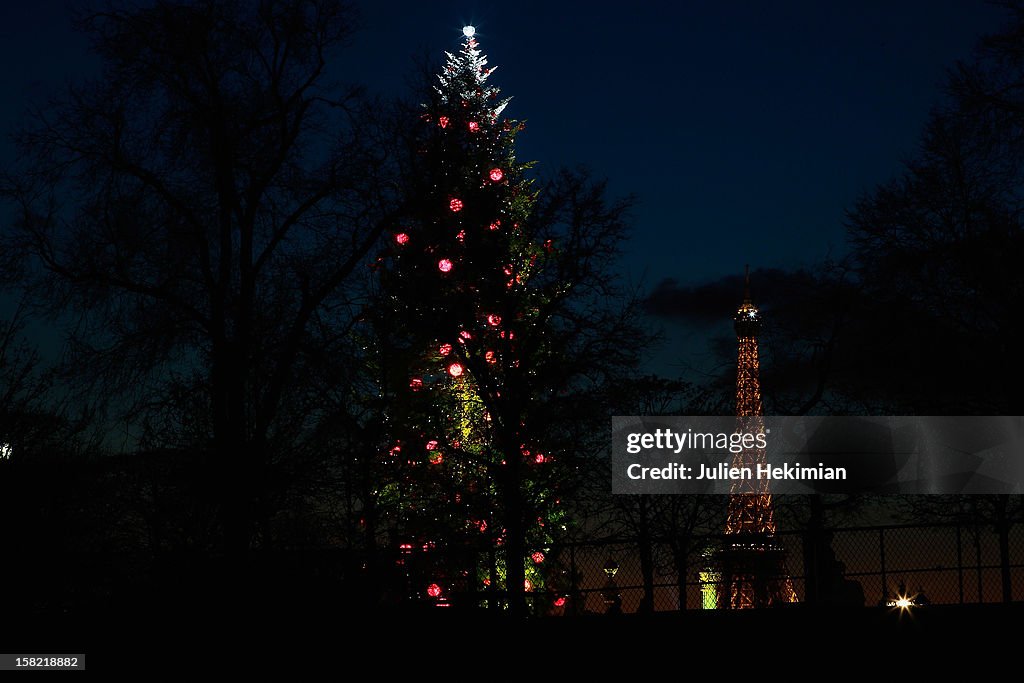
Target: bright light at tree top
{"points": [[469, 31]]}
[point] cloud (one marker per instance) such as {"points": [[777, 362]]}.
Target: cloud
{"points": [[715, 301]]}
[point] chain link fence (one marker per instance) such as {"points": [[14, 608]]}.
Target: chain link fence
{"points": [[848, 566]]}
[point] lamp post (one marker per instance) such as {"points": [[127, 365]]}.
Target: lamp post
{"points": [[612, 598]]}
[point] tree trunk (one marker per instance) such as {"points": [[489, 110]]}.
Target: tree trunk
{"points": [[681, 559], [1002, 510], [1004, 560], [812, 551], [646, 551], [515, 534]]}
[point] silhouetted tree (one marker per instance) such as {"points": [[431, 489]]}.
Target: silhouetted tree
{"points": [[999, 513], [678, 524], [937, 251], [200, 209]]}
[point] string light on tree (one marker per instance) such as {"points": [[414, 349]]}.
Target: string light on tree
{"points": [[470, 187]]}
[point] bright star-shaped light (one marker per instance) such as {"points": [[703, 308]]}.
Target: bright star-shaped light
{"points": [[468, 31]]}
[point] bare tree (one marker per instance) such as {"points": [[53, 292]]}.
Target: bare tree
{"points": [[199, 210]]}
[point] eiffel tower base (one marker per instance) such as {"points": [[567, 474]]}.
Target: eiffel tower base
{"points": [[753, 573]]}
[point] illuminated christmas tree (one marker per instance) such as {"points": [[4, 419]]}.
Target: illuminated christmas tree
{"points": [[468, 339]]}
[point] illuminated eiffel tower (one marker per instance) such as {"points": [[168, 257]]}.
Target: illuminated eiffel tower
{"points": [[752, 564]]}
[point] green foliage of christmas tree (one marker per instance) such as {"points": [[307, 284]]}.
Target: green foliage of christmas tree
{"points": [[464, 286]]}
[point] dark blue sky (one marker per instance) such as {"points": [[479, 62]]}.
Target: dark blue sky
{"points": [[745, 128]]}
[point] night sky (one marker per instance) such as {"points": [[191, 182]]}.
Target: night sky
{"points": [[745, 129]]}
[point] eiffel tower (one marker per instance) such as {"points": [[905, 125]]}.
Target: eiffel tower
{"points": [[752, 564]]}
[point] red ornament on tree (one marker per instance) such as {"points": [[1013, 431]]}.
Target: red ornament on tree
{"points": [[560, 601], [496, 225], [402, 238], [455, 369], [461, 236], [537, 557], [455, 204], [445, 349], [434, 591], [431, 445], [473, 126], [416, 383], [444, 265], [490, 357], [435, 458], [493, 319], [497, 174], [443, 122]]}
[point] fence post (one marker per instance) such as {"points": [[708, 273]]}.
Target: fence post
{"points": [[881, 560], [574, 594], [977, 560], [959, 564]]}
